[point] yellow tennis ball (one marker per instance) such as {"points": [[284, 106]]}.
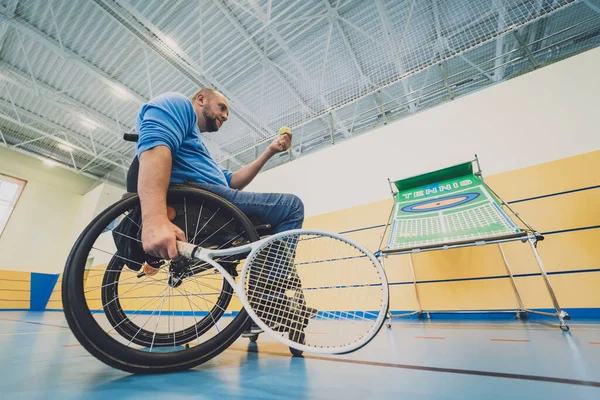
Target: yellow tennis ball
{"points": [[284, 129]]}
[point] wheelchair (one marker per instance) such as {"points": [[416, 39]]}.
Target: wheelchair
{"points": [[141, 314]]}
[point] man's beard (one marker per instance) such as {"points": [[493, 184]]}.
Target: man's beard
{"points": [[211, 122]]}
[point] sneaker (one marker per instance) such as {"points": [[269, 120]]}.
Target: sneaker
{"points": [[252, 330]]}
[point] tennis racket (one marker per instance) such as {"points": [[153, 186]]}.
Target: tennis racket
{"points": [[313, 291]]}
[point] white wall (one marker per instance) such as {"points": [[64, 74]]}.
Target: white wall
{"points": [[541, 116], [54, 208], [97, 201], [93, 203], [39, 233]]}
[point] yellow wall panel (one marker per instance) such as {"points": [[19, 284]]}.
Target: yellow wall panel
{"points": [[397, 268], [14, 285], [572, 290], [402, 297], [567, 251], [469, 262], [15, 275], [551, 177], [492, 294], [14, 295], [577, 290], [21, 304], [533, 292], [14, 289], [568, 211], [521, 259], [571, 251]]}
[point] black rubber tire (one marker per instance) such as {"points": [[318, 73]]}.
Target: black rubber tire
{"points": [[100, 344]]}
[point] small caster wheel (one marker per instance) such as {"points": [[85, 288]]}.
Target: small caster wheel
{"points": [[296, 353], [253, 338], [297, 337], [389, 325], [565, 327], [187, 346]]}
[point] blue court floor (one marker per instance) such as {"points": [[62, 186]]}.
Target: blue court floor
{"points": [[437, 359]]}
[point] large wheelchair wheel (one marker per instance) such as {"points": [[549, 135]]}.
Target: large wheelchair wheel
{"points": [[129, 329], [145, 315]]}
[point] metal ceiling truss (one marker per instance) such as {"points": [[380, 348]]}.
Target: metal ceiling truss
{"points": [[65, 53], [267, 34], [497, 12]]}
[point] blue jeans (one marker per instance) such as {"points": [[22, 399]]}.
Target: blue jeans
{"points": [[282, 211]]}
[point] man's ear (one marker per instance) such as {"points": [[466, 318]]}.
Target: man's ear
{"points": [[200, 99]]}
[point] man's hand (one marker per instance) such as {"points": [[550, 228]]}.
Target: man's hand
{"points": [[282, 143], [159, 237]]}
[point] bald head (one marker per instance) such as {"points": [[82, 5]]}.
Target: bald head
{"points": [[212, 109], [207, 93]]}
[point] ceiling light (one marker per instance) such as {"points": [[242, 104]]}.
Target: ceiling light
{"points": [[50, 163], [169, 41], [88, 123], [65, 147], [120, 90]]}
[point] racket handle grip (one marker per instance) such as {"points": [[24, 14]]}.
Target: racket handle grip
{"points": [[186, 249]]}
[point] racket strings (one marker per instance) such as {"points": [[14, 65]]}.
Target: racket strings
{"points": [[323, 291], [275, 288]]}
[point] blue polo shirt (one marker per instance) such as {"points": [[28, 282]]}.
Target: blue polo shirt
{"points": [[169, 120]]}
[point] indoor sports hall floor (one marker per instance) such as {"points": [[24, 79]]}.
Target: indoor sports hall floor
{"points": [[429, 359]]}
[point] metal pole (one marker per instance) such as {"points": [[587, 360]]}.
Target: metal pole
{"points": [[548, 285], [412, 268], [391, 188], [331, 127], [389, 316], [512, 279], [389, 313], [562, 315], [479, 172]]}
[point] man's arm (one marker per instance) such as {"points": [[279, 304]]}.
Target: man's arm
{"points": [[158, 233], [163, 124], [243, 176]]}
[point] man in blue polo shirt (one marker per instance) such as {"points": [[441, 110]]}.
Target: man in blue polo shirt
{"points": [[170, 149]]}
